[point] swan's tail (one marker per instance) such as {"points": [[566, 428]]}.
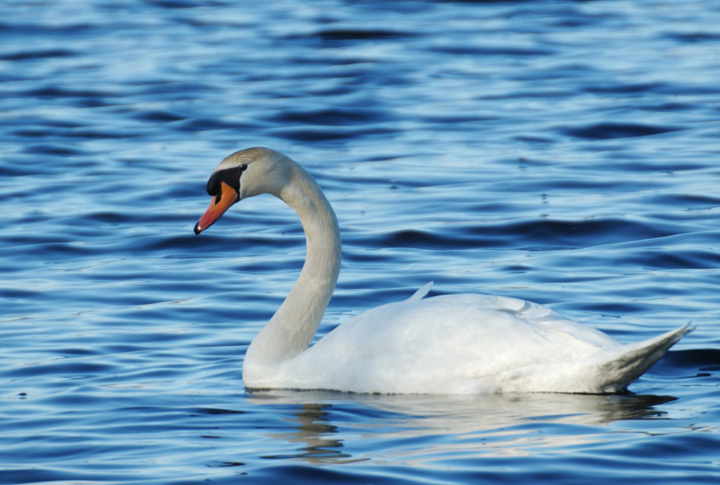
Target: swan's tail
{"points": [[622, 365]]}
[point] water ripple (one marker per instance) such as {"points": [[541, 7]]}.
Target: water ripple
{"points": [[560, 152]]}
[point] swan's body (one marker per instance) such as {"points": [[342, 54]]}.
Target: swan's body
{"points": [[445, 344]]}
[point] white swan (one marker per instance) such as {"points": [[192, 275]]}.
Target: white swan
{"points": [[440, 345]]}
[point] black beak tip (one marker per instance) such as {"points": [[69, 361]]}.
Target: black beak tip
{"points": [[197, 229]]}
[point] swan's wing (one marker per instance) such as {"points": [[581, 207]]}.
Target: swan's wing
{"points": [[449, 343], [515, 307], [552, 321]]}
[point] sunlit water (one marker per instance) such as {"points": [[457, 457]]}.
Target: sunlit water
{"points": [[562, 152]]}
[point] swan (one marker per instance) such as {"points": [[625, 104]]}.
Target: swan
{"points": [[448, 344]]}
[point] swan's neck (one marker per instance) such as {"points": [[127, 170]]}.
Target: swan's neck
{"points": [[291, 329]]}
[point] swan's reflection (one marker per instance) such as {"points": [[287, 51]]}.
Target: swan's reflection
{"points": [[310, 428], [331, 427]]}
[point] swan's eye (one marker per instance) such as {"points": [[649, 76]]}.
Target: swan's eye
{"points": [[230, 176]]}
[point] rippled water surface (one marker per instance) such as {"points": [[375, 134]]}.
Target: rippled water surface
{"points": [[562, 152]]}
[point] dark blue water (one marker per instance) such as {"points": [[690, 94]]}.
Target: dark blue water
{"points": [[562, 152]]}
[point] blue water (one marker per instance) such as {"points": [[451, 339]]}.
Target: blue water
{"points": [[562, 152]]}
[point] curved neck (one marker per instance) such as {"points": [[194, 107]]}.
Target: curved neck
{"points": [[292, 327]]}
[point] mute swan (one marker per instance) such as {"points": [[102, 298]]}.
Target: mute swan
{"points": [[451, 344]]}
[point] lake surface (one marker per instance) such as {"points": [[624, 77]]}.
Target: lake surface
{"points": [[562, 152]]}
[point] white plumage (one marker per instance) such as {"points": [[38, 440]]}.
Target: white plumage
{"points": [[451, 344]]}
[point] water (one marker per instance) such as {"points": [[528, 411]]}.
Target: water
{"points": [[561, 152]]}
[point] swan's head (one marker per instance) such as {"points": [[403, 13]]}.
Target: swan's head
{"points": [[241, 175]]}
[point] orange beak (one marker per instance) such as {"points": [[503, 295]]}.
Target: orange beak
{"points": [[218, 206]]}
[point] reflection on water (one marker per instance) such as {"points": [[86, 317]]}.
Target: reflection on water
{"points": [[312, 431], [503, 425]]}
